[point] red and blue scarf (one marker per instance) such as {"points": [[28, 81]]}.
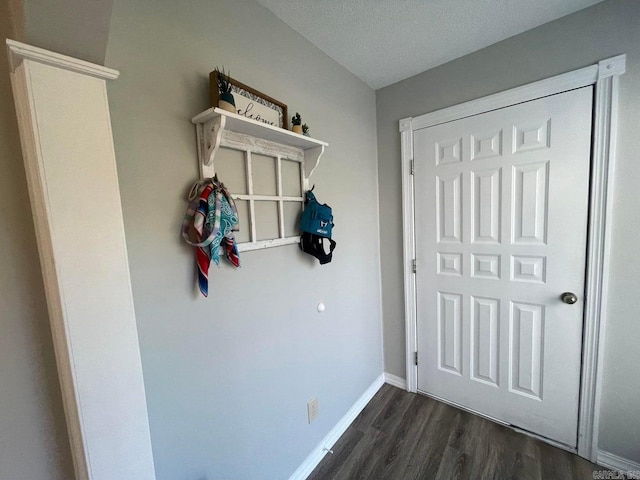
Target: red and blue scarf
{"points": [[213, 217]]}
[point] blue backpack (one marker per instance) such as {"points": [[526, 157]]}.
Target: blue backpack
{"points": [[316, 224]]}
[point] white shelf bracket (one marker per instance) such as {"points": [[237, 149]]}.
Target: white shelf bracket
{"points": [[311, 161], [214, 129]]}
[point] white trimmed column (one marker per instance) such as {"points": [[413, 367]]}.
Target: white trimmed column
{"points": [[67, 144]]}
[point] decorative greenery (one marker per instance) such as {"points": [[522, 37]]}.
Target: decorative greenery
{"points": [[296, 120], [305, 128], [224, 80]]}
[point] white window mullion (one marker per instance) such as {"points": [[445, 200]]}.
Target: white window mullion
{"points": [[304, 184], [252, 207], [279, 193], [267, 198], [303, 181]]}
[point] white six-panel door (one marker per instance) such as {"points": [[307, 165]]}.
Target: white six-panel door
{"points": [[501, 204]]}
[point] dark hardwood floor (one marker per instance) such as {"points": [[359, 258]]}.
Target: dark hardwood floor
{"points": [[405, 436]]}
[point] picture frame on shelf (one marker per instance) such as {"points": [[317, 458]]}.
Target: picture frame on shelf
{"points": [[251, 103]]}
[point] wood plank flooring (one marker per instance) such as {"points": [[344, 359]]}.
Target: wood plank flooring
{"points": [[405, 436]]}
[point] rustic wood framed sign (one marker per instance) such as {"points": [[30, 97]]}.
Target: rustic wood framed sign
{"points": [[251, 103]]}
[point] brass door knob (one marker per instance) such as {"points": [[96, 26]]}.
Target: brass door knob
{"points": [[569, 297]]}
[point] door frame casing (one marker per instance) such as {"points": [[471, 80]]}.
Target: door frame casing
{"points": [[604, 76]]}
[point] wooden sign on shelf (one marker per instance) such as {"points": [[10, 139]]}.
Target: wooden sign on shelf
{"points": [[252, 104]]}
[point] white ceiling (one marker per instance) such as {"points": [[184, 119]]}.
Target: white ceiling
{"points": [[385, 41]]}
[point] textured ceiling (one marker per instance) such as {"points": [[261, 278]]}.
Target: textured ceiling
{"points": [[385, 41]]}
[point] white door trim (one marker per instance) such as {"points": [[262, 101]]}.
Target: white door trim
{"points": [[604, 75]]}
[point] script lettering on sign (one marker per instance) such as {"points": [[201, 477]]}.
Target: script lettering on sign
{"points": [[256, 108]]}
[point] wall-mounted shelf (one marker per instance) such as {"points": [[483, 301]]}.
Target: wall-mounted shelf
{"points": [[217, 128]]}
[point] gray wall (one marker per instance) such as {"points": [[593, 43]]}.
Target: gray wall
{"points": [[33, 436], [71, 27], [607, 29], [258, 340], [228, 377]]}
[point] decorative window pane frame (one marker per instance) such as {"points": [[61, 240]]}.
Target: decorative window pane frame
{"points": [[279, 198]]}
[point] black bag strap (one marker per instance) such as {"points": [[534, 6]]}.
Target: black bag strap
{"points": [[314, 245], [326, 257]]}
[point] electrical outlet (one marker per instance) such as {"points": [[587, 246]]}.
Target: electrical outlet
{"points": [[312, 409]]}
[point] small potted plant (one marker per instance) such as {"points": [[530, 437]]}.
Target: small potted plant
{"points": [[296, 122], [226, 101], [305, 130]]}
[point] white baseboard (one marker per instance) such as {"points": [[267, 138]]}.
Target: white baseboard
{"points": [[614, 462], [318, 453], [394, 380]]}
